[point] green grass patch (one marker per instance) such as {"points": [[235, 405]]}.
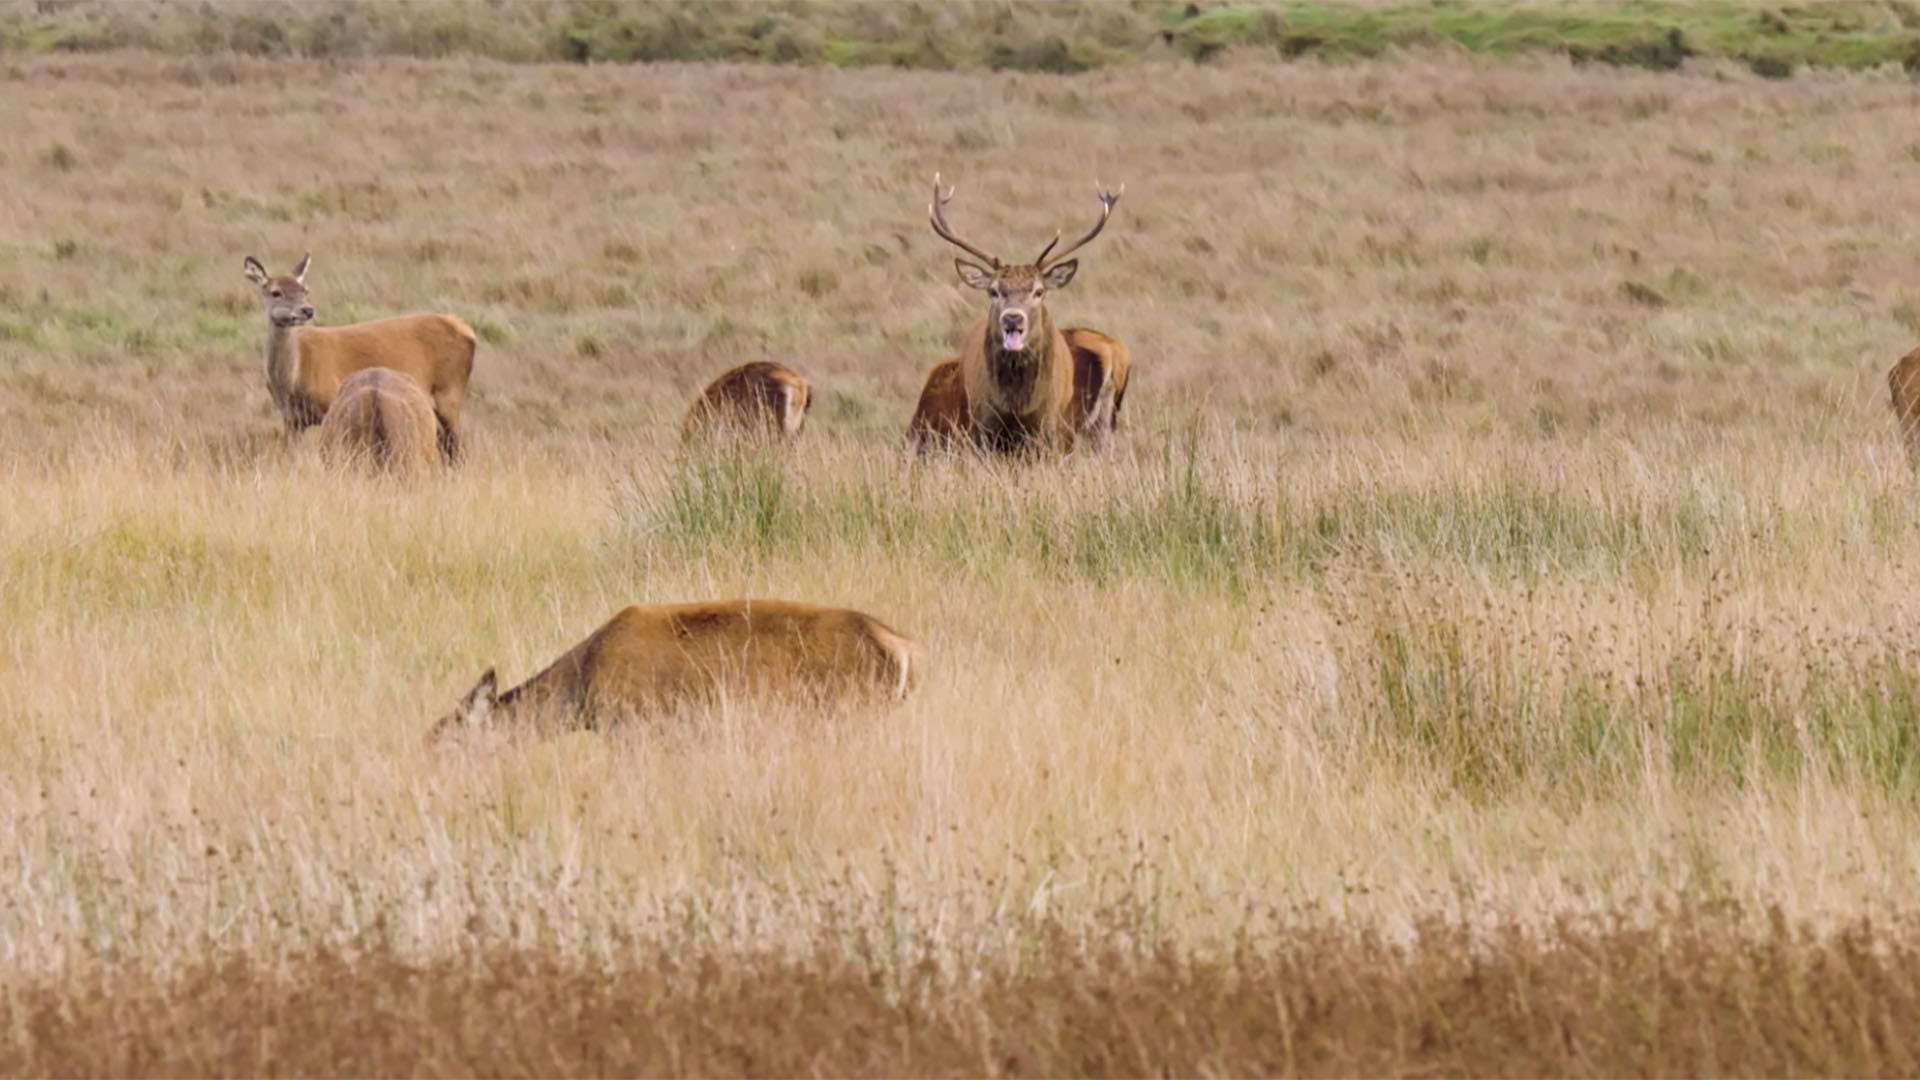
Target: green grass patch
{"points": [[1060, 38]]}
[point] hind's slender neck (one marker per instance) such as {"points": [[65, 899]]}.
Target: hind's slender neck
{"points": [[283, 361]]}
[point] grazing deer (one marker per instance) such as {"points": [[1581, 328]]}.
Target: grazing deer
{"points": [[307, 364], [758, 398], [649, 659], [382, 418], [1101, 366], [1903, 379], [1016, 367]]}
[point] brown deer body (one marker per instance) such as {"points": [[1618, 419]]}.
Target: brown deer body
{"points": [[761, 397], [1101, 367], [648, 659], [940, 418], [1016, 367], [306, 364], [1903, 380], [381, 418]]}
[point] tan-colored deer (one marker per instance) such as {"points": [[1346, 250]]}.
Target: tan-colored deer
{"points": [[1016, 367], [383, 419], [649, 659], [757, 398], [1101, 366], [1903, 379], [307, 364]]}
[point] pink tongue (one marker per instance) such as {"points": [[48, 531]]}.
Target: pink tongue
{"points": [[1013, 339]]}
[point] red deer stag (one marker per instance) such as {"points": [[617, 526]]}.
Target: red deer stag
{"points": [[381, 418], [307, 364], [759, 398], [1101, 366], [1016, 368], [649, 659]]}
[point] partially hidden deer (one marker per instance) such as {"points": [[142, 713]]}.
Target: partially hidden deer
{"points": [[1016, 367], [306, 364], [647, 660], [757, 398], [1903, 380], [382, 419]]}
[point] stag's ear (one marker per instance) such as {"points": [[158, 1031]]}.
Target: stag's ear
{"points": [[973, 275], [300, 272], [255, 272], [1059, 274], [477, 707]]}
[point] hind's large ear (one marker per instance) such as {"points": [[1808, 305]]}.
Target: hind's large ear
{"points": [[255, 272], [477, 707], [300, 272]]}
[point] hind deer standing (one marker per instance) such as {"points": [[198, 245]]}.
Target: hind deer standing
{"points": [[307, 364], [1016, 368]]}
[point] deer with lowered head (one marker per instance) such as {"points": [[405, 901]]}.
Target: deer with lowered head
{"points": [[307, 364], [1017, 370], [650, 659]]}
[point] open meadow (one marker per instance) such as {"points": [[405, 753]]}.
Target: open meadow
{"points": [[1488, 648]]}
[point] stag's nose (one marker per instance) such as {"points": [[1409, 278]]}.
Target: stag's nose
{"points": [[1012, 321], [307, 312]]}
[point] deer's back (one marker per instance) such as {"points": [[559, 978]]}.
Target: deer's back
{"points": [[653, 655], [760, 395], [435, 351], [383, 418]]}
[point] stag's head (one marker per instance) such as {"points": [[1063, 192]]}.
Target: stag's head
{"points": [[285, 296], [1017, 294]]}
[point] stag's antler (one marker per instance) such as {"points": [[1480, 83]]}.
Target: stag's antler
{"points": [[1106, 210], [946, 233]]}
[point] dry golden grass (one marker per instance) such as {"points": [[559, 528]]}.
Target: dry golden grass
{"points": [[1509, 520]]}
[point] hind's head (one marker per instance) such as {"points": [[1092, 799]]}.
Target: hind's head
{"points": [[475, 711], [286, 295]]}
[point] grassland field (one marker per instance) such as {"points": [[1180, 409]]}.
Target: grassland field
{"points": [[1489, 648]]}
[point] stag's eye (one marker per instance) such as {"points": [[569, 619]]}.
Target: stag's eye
{"points": [[275, 294]]}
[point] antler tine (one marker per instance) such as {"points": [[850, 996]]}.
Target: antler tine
{"points": [[945, 232], [1107, 199], [1042, 260]]}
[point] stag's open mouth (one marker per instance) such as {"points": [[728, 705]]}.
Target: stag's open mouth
{"points": [[1013, 339]]}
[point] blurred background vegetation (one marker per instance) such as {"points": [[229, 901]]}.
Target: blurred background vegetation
{"points": [[1068, 36]]}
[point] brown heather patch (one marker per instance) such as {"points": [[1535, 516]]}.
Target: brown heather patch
{"points": [[1690, 990]]}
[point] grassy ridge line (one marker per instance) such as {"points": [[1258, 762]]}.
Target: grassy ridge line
{"points": [[1690, 991], [1062, 37]]}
